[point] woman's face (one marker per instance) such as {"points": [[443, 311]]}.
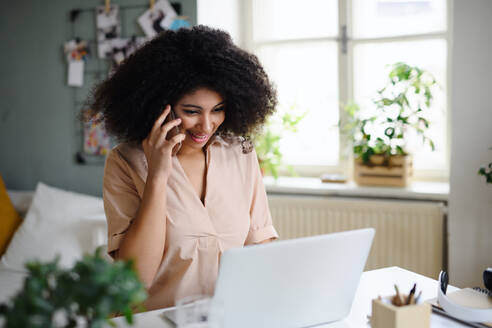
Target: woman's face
{"points": [[201, 112]]}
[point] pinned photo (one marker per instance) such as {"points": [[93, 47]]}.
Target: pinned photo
{"points": [[76, 49], [158, 18], [96, 139], [123, 48], [108, 28], [76, 52], [179, 23]]}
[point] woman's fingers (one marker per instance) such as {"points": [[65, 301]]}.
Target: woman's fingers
{"points": [[177, 139], [156, 128], [169, 125], [175, 143], [146, 148], [165, 131]]}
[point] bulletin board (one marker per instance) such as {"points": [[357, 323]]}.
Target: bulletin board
{"points": [[91, 141]]}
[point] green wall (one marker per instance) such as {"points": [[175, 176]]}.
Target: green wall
{"points": [[39, 131]]}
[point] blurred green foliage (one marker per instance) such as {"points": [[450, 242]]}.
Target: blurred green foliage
{"points": [[486, 171], [267, 143], [85, 295], [401, 105]]}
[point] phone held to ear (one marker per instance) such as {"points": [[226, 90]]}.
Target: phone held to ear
{"points": [[173, 132]]}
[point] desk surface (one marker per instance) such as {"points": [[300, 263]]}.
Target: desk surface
{"points": [[373, 283]]}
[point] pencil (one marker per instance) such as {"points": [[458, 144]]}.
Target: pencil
{"points": [[398, 297], [418, 297], [411, 295]]}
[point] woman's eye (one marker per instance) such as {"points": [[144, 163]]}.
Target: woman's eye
{"points": [[219, 109], [191, 112]]}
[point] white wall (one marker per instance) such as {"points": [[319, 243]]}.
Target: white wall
{"points": [[221, 14], [470, 213]]}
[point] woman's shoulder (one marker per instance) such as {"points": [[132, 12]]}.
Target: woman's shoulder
{"points": [[129, 154], [232, 143], [237, 151], [126, 150]]}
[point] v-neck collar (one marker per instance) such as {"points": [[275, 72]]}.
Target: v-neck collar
{"points": [[187, 179]]}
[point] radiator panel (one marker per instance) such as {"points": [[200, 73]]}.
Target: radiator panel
{"points": [[409, 234]]}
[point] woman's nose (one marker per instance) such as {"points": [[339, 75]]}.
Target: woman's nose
{"points": [[206, 123]]}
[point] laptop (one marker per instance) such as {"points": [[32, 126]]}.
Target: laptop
{"points": [[292, 283]]}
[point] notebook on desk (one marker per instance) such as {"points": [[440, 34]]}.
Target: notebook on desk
{"points": [[292, 283]]}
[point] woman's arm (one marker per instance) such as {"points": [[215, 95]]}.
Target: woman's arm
{"points": [[261, 226], [145, 239]]}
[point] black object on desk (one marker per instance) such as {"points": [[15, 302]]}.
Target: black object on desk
{"points": [[487, 279]]}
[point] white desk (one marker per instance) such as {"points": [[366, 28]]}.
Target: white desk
{"points": [[373, 283]]}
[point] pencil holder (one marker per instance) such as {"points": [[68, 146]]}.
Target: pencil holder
{"points": [[387, 315]]}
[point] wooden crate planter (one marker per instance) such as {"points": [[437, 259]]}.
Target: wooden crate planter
{"points": [[396, 173]]}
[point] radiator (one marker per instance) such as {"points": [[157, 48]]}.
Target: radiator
{"points": [[409, 234]]}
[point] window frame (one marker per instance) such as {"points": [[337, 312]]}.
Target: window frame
{"points": [[346, 81]]}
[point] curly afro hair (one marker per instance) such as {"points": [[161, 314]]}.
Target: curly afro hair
{"points": [[178, 62]]}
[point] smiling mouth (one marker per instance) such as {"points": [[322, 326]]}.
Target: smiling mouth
{"points": [[199, 138]]}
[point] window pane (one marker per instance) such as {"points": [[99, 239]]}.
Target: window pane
{"points": [[221, 14], [377, 18], [306, 77], [291, 19], [370, 74]]}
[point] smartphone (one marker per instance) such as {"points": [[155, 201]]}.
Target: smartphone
{"points": [[173, 132]]}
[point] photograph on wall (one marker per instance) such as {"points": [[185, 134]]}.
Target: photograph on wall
{"points": [[108, 28], [96, 139], [76, 49], [76, 53], [179, 23], [158, 18], [123, 47]]}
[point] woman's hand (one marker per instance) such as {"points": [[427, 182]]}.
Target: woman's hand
{"points": [[158, 150]]}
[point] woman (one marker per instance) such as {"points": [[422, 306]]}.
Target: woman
{"points": [[175, 215]]}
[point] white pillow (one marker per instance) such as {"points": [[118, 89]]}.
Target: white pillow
{"points": [[58, 222], [21, 200]]}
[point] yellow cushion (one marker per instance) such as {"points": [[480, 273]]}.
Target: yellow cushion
{"points": [[9, 218]]}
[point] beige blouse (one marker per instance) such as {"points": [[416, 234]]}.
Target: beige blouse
{"points": [[234, 213]]}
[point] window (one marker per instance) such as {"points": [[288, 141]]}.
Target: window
{"points": [[323, 53]]}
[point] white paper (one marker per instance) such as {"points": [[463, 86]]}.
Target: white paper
{"points": [[68, 47], [76, 73], [104, 49], [118, 57], [160, 17], [105, 20], [122, 48], [108, 28]]}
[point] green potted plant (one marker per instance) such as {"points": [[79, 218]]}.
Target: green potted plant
{"points": [[486, 171], [379, 140], [85, 295], [267, 143]]}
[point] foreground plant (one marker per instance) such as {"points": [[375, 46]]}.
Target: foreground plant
{"points": [[85, 295]]}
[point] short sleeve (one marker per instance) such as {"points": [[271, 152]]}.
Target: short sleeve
{"points": [[261, 226], [121, 199]]}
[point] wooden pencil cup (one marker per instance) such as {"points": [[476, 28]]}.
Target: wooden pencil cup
{"points": [[387, 315]]}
